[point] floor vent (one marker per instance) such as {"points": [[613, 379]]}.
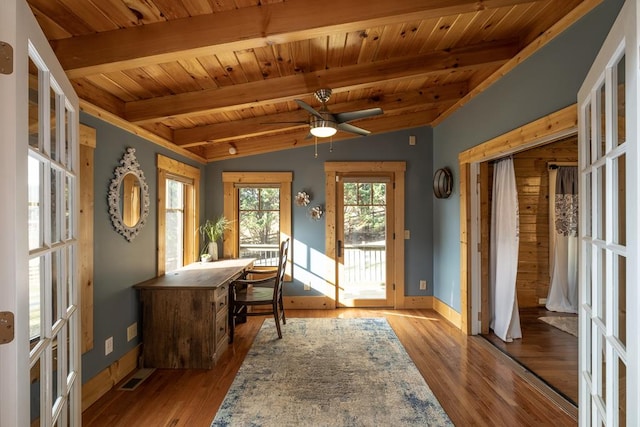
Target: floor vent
{"points": [[136, 379]]}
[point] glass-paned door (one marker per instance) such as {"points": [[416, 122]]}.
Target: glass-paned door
{"points": [[608, 138], [364, 240], [40, 367]]}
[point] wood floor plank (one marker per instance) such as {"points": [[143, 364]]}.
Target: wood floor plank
{"points": [[472, 384], [547, 351]]}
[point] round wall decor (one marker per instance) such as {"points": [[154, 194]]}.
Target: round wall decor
{"points": [[442, 183]]}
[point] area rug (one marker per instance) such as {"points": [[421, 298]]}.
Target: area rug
{"points": [[329, 372], [568, 324]]}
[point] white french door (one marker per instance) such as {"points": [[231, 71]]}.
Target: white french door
{"points": [[608, 271], [39, 298]]}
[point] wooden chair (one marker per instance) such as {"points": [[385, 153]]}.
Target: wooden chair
{"points": [[265, 291]]}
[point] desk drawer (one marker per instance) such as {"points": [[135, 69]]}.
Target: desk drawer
{"points": [[221, 297], [222, 328]]}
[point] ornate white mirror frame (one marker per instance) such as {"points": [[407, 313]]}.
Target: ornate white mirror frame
{"points": [[128, 165]]}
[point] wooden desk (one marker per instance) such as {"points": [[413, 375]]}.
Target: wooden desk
{"points": [[185, 314]]}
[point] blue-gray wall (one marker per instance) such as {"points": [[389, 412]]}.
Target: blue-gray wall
{"points": [[308, 175], [544, 83], [119, 264]]}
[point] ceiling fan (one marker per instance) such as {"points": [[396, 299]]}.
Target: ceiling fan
{"points": [[323, 123]]}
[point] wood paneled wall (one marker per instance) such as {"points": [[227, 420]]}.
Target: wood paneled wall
{"points": [[532, 179]]}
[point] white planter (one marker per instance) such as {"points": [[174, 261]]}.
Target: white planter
{"points": [[213, 250]]}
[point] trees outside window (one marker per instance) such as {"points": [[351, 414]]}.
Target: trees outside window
{"points": [[259, 223], [259, 204]]}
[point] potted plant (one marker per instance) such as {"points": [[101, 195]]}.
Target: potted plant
{"points": [[212, 231]]}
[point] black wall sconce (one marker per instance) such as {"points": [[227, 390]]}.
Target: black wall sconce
{"points": [[442, 183]]}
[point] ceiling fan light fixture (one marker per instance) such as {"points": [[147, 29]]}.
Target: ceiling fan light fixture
{"points": [[323, 128]]}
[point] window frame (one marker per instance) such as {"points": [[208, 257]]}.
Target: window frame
{"points": [[231, 183], [174, 169]]}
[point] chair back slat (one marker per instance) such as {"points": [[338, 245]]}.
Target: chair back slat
{"points": [[282, 267]]}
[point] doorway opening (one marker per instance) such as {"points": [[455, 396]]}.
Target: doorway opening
{"points": [[555, 351], [549, 345]]}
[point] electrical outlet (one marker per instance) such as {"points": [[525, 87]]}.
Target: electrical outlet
{"points": [[108, 346], [132, 331], [412, 140], [307, 286], [407, 234], [542, 301], [423, 285]]}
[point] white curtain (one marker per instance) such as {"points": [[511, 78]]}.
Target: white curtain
{"points": [[563, 198], [505, 319]]}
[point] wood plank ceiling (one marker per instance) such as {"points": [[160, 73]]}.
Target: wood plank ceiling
{"points": [[202, 76]]}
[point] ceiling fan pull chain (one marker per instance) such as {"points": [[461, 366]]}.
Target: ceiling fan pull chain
{"points": [[331, 145], [316, 145]]}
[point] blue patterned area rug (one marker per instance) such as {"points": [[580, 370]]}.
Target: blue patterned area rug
{"points": [[329, 372]]}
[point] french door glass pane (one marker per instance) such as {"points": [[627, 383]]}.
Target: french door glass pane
{"points": [[55, 280], [601, 285], [35, 296], [55, 205], [620, 277], [602, 202], [622, 394], [68, 152], [36, 386], [602, 390], [68, 207], [602, 147], [588, 273], [589, 134], [588, 367], [52, 119], [587, 204], [621, 104], [34, 197], [620, 202], [34, 103]]}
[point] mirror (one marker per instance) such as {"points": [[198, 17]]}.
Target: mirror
{"points": [[128, 197]]}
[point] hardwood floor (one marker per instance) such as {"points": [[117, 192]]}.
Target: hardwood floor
{"points": [[475, 387], [548, 352]]}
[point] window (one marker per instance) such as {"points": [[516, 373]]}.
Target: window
{"points": [[174, 224], [260, 205], [178, 201], [259, 224]]}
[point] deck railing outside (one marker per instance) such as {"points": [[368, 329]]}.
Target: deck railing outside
{"points": [[363, 262]]}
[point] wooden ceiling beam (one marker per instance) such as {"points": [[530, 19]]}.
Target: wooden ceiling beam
{"points": [[244, 28], [441, 96], [288, 88], [295, 139]]}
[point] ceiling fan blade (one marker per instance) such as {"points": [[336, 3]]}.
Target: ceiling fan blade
{"points": [[355, 115], [309, 108], [353, 129], [286, 123]]}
